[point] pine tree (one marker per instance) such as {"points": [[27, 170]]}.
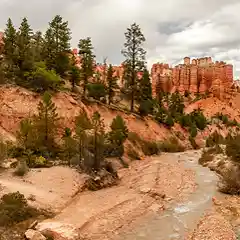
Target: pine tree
{"points": [[145, 94], [83, 123], [37, 46], [135, 57], [46, 122], [145, 86], [57, 45], [99, 138], [74, 77], [24, 50], [9, 50], [25, 135], [87, 61], [70, 143], [111, 84], [118, 134]]}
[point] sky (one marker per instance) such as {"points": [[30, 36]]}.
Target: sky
{"points": [[173, 28]]}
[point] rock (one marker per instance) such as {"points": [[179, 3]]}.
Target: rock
{"points": [[10, 163], [215, 201], [157, 207], [58, 231], [31, 234]]}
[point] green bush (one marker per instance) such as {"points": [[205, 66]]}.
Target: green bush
{"points": [[214, 139], [96, 91], [42, 79], [193, 131], [150, 148], [233, 148], [171, 145], [145, 107], [193, 142], [14, 209]]}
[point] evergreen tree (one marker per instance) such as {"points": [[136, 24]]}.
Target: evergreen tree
{"points": [[57, 45], [9, 49], [99, 138], [145, 86], [37, 46], [25, 59], [70, 148], [111, 84], [118, 134], [87, 61], [145, 94], [176, 105], [135, 57], [82, 124], [46, 123], [74, 77]]}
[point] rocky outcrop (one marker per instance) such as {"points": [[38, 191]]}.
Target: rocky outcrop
{"points": [[200, 75], [31, 234]]}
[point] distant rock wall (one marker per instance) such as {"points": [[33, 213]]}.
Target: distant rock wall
{"points": [[200, 75]]}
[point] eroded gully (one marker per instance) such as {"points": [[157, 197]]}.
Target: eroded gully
{"points": [[178, 219]]}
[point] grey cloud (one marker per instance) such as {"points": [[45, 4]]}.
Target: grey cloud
{"points": [[173, 28]]}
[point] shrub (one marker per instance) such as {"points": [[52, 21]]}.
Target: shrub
{"points": [[171, 145], [150, 148], [21, 168], [96, 90], [230, 182], [193, 131], [169, 121], [134, 138], [214, 139], [233, 148], [133, 154], [193, 142], [40, 162], [14, 209], [42, 79], [206, 157], [145, 107], [3, 151]]}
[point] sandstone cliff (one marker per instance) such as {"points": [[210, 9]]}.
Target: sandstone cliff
{"points": [[201, 75]]}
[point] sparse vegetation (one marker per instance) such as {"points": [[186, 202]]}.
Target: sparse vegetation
{"points": [[207, 156], [133, 154], [214, 139], [14, 208], [171, 145]]}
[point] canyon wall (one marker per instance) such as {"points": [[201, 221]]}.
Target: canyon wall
{"points": [[196, 76]]}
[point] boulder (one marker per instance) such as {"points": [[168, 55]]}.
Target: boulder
{"points": [[58, 230], [31, 234]]}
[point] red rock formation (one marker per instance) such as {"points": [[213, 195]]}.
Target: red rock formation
{"points": [[200, 75]]}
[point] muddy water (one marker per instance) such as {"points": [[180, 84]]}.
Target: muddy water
{"points": [[178, 219]]}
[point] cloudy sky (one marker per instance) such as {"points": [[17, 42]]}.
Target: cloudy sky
{"points": [[173, 28]]}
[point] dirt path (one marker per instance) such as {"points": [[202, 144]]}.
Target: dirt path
{"points": [[146, 187]]}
